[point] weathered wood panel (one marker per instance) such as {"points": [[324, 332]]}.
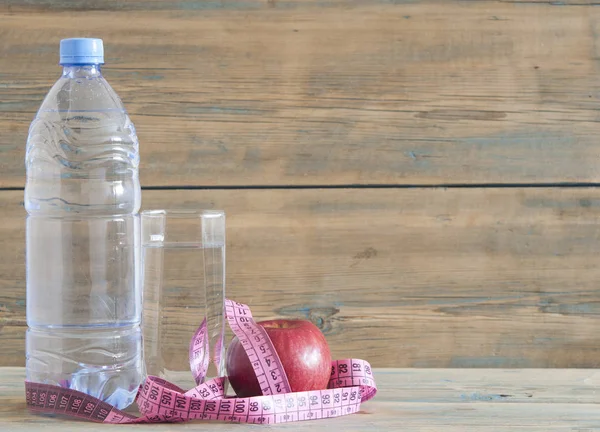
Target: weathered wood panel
{"points": [[409, 400], [334, 92], [502, 277]]}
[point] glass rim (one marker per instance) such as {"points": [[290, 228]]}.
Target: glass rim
{"points": [[181, 213]]}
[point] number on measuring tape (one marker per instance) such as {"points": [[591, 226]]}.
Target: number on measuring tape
{"points": [[240, 406], [290, 402], [166, 399], [180, 402]]}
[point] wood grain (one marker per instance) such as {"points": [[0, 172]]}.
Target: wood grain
{"points": [[408, 400], [503, 277], [235, 93]]}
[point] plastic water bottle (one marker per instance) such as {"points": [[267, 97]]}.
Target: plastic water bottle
{"points": [[82, 197]]}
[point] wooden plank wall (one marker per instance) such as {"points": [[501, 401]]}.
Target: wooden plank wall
{"points": [[419, 178]]}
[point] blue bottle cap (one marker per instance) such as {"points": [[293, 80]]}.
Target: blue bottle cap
{"points": [[81, 51]]}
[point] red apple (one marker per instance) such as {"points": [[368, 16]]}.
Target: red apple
{"points": [[302, 349]]}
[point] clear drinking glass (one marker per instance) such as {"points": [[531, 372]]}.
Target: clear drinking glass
{"points": [[183, 254]]}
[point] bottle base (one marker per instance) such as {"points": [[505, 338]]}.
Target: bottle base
{"points": [[107, 365]]}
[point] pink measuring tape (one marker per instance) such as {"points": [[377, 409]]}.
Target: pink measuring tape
{"points": [[160, 401]]}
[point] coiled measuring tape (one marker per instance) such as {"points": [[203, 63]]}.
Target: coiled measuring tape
{"points": [[160, 401]]}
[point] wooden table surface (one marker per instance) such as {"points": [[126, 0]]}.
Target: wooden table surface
{"points": [[408, 400]]}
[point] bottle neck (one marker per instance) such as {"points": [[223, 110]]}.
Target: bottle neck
{"points": [[81, 71]]}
